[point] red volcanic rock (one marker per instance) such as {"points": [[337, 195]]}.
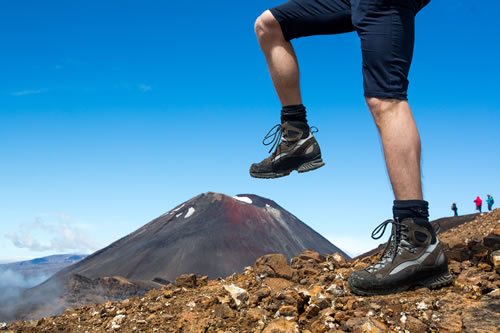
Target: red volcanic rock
{"points": [[308, 254], [186, 281], [273, 265]]}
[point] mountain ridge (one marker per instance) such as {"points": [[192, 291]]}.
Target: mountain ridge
{"points": [[48, 265]]}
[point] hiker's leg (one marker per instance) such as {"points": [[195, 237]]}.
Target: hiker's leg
{"points": [[387, 36], [401, 144], [293, 19], [275, 28], [386, 32], [281, 59]]}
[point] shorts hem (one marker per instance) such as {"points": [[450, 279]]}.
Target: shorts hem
{"points": [[385, 95]]}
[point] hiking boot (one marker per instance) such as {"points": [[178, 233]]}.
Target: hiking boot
{"points": [[413, 257], [296, 149]]}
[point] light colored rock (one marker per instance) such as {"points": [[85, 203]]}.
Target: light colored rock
{"points": [[119, 319], [336, 259], [494, 294], [337, 289], [495, 259], [282, 325], [238, 294], [422, 306]]}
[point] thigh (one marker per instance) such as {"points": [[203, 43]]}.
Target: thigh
{"points": [[300, 18], [386, 31]]}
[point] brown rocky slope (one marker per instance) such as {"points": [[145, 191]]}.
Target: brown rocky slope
{"points": [[309, 295]]}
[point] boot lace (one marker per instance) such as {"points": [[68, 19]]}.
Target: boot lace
{"points": [[277, 135], [398, 241], [273, 138]]}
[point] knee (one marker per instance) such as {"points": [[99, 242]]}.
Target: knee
{"points": [[373, 103], [375, 106], [381, 108], [267, 27]]}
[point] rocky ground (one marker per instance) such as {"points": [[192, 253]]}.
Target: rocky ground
{"points": [[309, 295]]}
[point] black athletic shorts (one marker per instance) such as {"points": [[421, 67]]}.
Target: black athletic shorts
{"points": [[385, 27]]}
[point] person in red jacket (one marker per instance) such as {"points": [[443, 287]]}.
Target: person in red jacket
{"points": [[479, 204]]}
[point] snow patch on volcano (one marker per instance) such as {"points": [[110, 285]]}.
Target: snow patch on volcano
{"points": [[178, 208], [244, 199], [190, 212]]}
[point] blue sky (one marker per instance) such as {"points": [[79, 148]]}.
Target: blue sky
{"points": [[112, 113]]}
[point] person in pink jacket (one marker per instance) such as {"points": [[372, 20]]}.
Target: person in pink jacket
{"points": [[479, 204]]}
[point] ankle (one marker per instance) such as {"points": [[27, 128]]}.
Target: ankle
{"points": [[295, 113], [411, 208], [417, 210]]}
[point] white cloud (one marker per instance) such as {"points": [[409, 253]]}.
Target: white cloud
{"points": [[25, 240], [60, 234], [27, 92], [144, 87]]}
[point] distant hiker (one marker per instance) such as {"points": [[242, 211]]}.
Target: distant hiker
{"points": [[490, 202], [454, 208], [479, 204], [413, 256]]}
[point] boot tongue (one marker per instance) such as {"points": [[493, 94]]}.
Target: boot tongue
{"points": [[421, 229], [290, 136], [293, 131], [396, 236], [391, 247]]}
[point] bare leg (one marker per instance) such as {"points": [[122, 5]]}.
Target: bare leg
{"points": [[401, 143], [280, 58]]}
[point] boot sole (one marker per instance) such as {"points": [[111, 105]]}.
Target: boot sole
{"points": [[304, 167], [434, 282]]}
